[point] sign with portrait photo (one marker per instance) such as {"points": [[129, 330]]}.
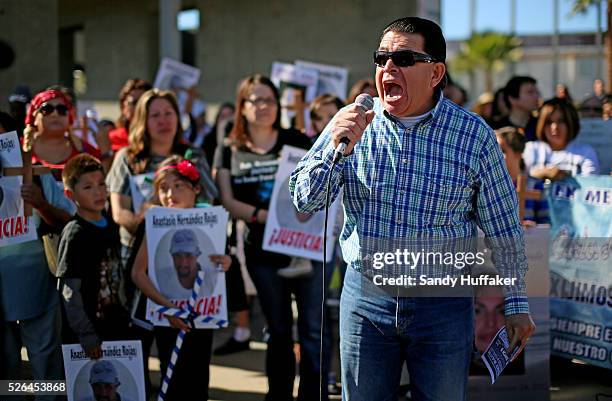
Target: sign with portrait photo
{"points": [[526, 376], [179, 243], [293, 81], [288, 231], [332, 79], [119, 374], [581, 272], [141, 188], [174, 75], [14, 226]]}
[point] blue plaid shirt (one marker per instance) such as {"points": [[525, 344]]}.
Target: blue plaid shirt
{"points": [[441, 178]]}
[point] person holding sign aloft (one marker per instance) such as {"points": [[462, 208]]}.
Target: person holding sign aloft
{"points": [[177, 185]]}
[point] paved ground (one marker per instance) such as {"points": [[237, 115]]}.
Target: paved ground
{"points": [[241, 377]]}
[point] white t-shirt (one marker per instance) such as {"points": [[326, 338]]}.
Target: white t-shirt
{"points": [[408, 122], [576, 158]]}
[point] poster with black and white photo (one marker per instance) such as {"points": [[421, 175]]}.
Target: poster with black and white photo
{"points": [[288, 231], [527, 376], [174, 75], [293, 81], [332, 79], [596, 132], [141, 188], [14, 226], [119, 374], [179, 242]]}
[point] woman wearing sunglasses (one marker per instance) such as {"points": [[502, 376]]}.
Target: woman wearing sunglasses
{"points": [[49, 120]]}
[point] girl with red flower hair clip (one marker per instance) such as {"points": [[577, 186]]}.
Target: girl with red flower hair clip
{"points": [[177, 185]]}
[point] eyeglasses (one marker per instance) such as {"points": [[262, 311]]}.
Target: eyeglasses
{"points": [[401, 58], [261, 101], [47, 109]]}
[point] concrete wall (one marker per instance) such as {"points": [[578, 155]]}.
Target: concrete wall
{"points": [[120, 40], [30, 28], [238, 37]]}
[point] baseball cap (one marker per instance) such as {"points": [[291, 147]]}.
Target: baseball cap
{"points": [[103, 372], [184, 241]]}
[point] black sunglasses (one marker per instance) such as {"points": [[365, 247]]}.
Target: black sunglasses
{"points": [[47, 109], [401, 58]]}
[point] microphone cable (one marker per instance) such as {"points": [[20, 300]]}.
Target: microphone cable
{"points": [[323, 277]]}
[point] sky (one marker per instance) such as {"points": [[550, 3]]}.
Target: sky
{"points": [[532, 17]]}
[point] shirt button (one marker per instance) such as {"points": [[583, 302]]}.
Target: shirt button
{"points": [[404, 161], [398, 221]]}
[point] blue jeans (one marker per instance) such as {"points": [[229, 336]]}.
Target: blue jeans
{"points": [[274, 294], [41, 337], [379, 332]]}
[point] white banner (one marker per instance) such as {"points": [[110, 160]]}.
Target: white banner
{"points": [[14, 226], [179, 242], [119, 374], [292, 233]]}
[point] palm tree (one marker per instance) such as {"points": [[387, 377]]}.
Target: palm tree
{"points": [[487, 51], [581, 6]]}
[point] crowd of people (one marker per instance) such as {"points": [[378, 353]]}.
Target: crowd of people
{"points": [[96, 287]]}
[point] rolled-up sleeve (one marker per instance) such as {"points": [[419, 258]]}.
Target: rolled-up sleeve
{"points": [[497, 215]]}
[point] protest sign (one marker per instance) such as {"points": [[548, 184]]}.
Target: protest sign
{"points": [[528, 375], [332, 79], [119, 371], [598, 133], [174, 75], [581, 269], [289, 232], [14, 226], [141, 188], [179, 242], [292, 81]]}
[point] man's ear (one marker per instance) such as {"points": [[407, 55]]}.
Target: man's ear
{"points": [[197, 189], [438, 73]]}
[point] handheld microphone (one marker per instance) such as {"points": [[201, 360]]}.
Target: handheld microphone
{"points": [[366, 102]]}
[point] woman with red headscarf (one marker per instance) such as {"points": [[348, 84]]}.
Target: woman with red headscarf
{"points": [[49, 119]]}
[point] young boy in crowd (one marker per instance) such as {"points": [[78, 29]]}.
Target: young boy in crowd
{"points": [[89, 261]]}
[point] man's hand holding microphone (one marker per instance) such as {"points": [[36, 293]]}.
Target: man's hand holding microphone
{"points": [[350, 123]]}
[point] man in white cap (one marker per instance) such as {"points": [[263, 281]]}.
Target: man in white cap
{"points": [[104, 381], [177, 282], [185, 251]]}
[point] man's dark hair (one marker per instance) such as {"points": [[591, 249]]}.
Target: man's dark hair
{"points": [[433, 39], [513, 87]]}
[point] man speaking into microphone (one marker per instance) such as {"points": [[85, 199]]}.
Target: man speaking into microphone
{"points": [[415, 166]]}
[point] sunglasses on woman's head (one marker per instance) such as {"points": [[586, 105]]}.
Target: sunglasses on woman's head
{"points": [[401, 58], [47, 109]]}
